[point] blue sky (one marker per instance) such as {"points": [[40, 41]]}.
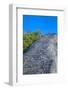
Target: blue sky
{"points": [[46, 24]]}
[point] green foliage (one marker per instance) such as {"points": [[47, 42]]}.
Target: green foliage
{"points": [[29, 38]]}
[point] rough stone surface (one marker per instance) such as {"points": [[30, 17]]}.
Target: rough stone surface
{"points": [[41, 58]]}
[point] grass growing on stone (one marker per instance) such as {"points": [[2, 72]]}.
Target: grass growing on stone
{"points": [[28, 39]]}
